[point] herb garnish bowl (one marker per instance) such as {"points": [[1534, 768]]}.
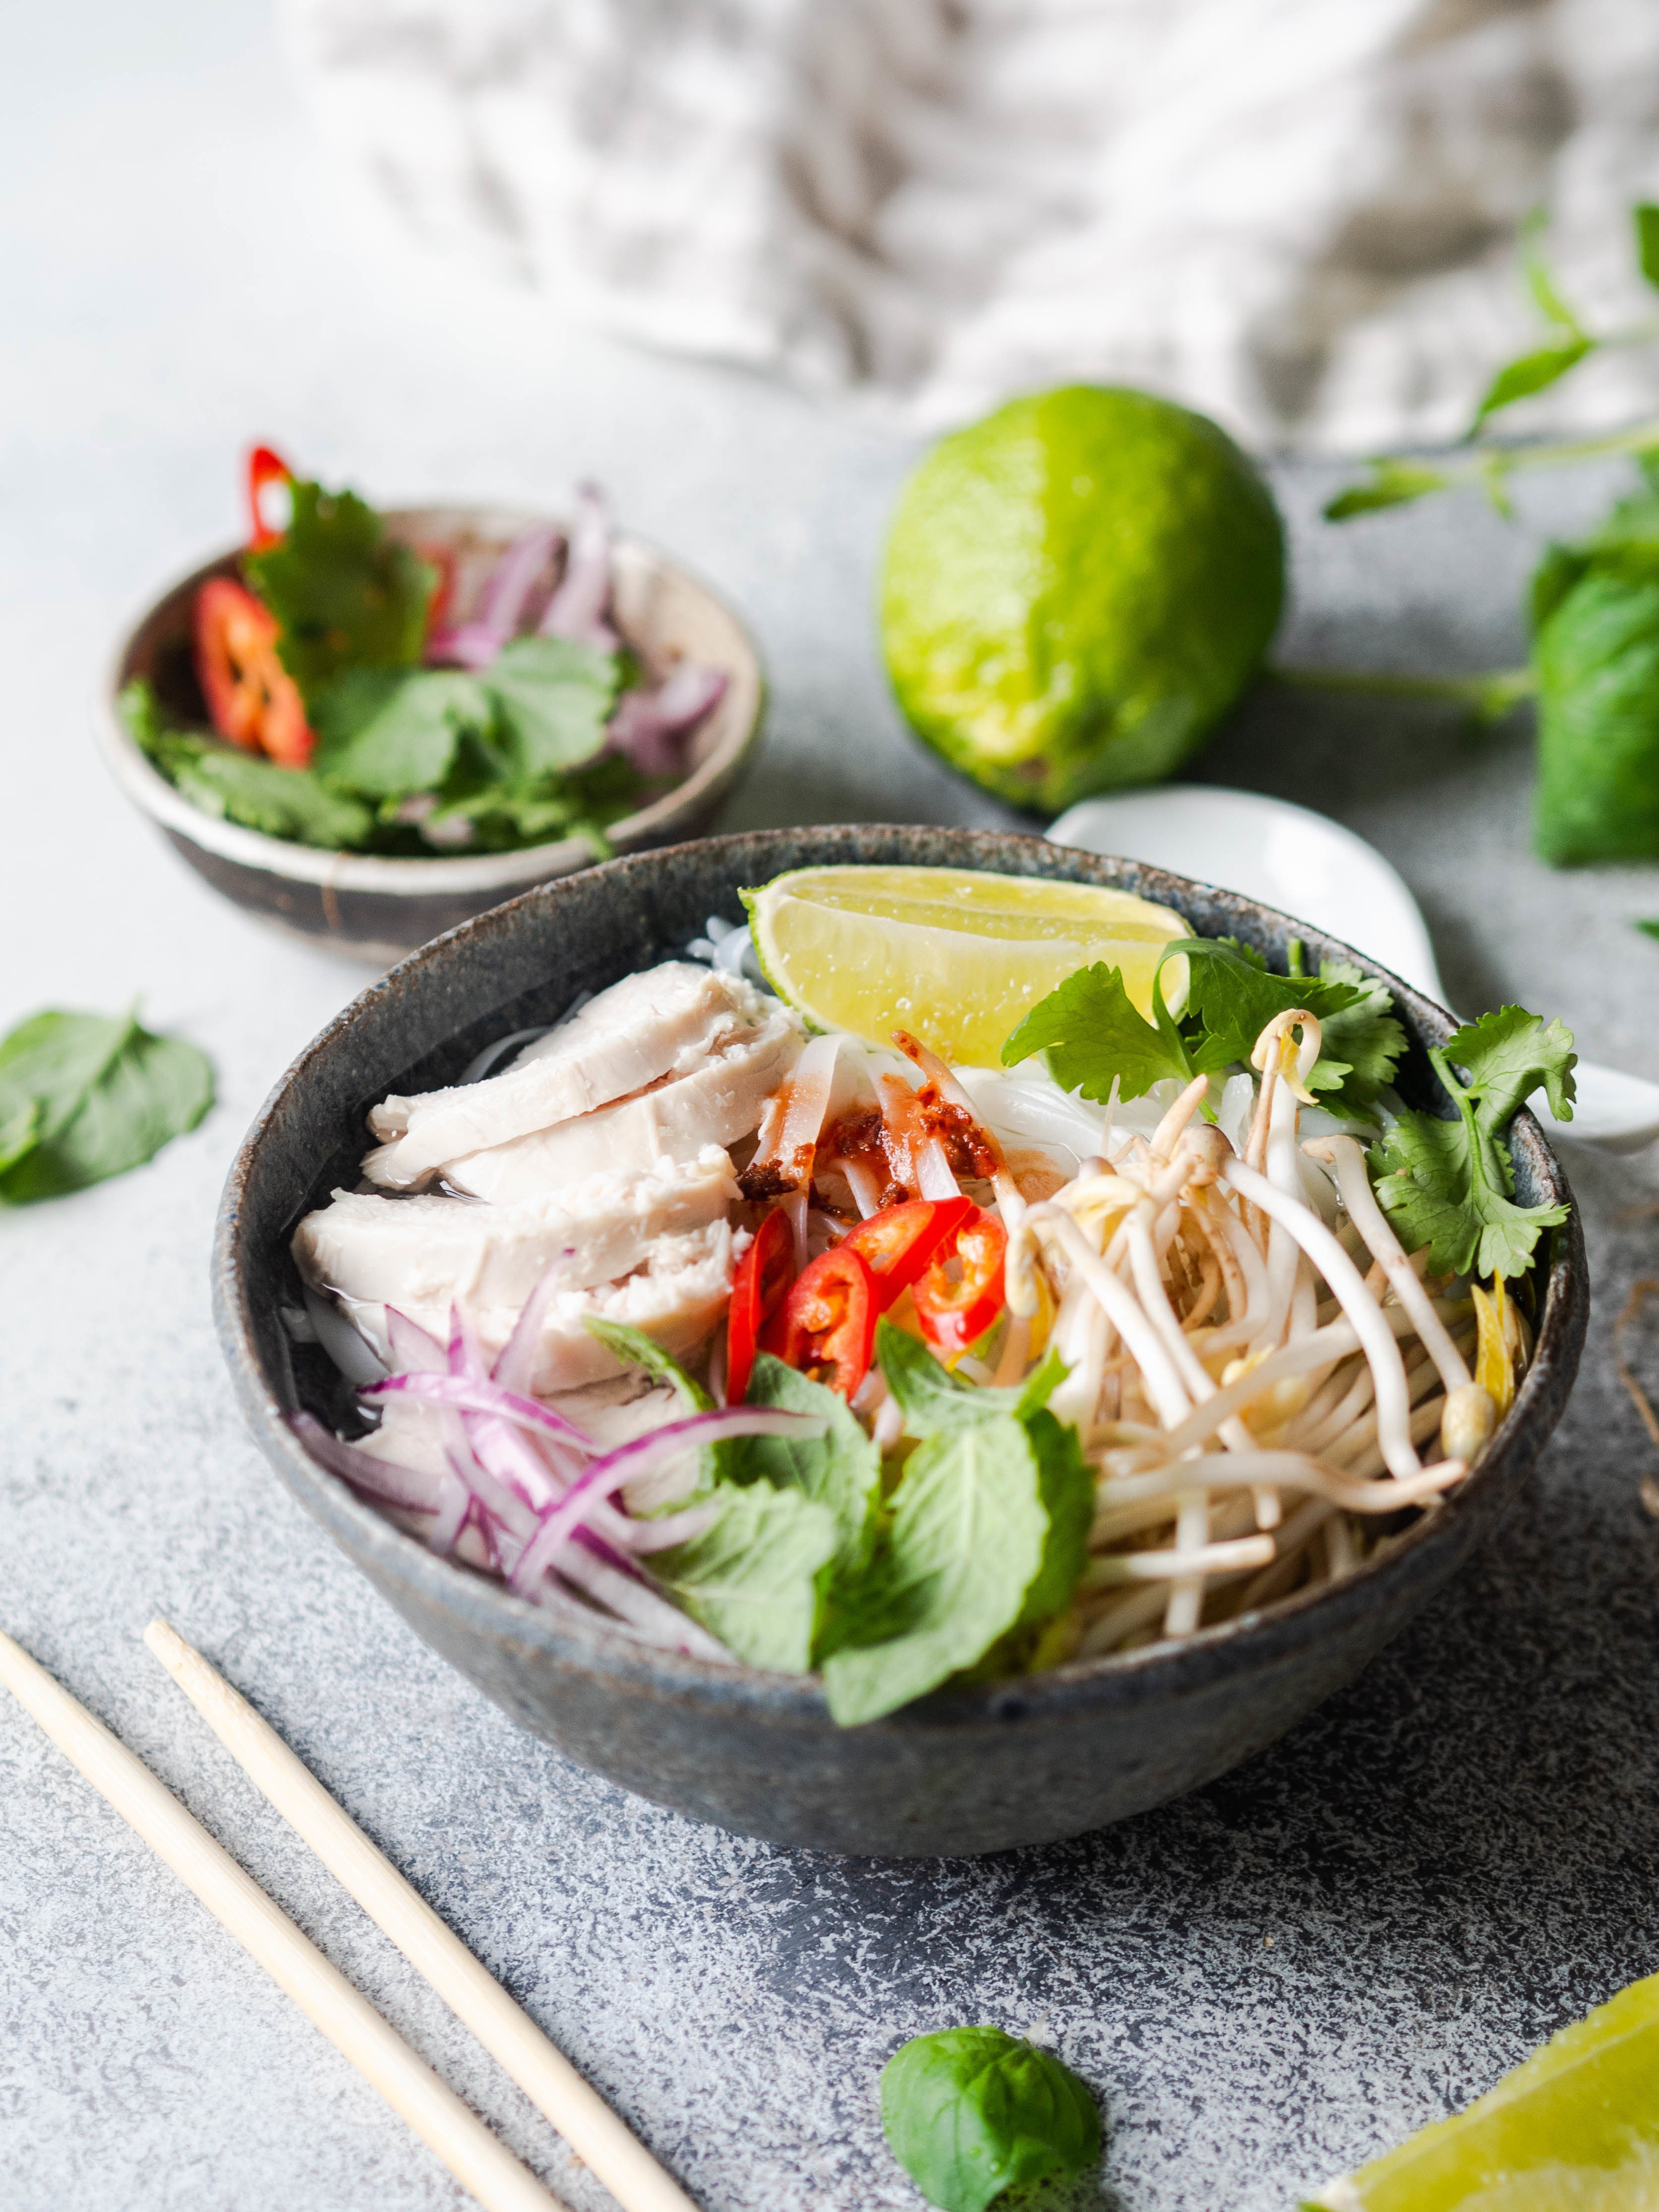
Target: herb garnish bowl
{"points": [[376, 909], [1025, 1760]]}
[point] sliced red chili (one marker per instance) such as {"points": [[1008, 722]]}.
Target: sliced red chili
{"points": [[264, 468], [897, 1244], [962, 1292], [829, 1320], [250, 698], [757, 1290]]}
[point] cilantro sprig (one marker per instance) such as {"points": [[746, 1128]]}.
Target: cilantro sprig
{"points": [[1450, 1185], [1091, 1033]]}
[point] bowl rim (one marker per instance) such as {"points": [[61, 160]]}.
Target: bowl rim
{"points": [[1270, 1632], [442, 874]]}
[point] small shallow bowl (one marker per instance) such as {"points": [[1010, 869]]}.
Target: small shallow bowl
{"points": [[1025, 1761], [376, 909]]}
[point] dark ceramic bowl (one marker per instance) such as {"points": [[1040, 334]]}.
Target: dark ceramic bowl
{"points": [[965, 1770], [375, 909]]}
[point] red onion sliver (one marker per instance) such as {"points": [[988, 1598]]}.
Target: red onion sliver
{"points": [[477, 1394], [411, 1488], [475, 644], [515, 1369], [578, 607], [415, 1350], [650, 726]]}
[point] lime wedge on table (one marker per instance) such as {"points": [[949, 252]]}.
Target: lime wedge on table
{"points": [[957, 957], [1574, 2128]]}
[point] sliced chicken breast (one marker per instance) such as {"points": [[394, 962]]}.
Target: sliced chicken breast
{"points": [[675, 1299], [716, 1102], [648, 1028], [422, 1253]]}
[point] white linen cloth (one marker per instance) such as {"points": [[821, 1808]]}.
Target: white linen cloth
{"points": [[1297, 215]]}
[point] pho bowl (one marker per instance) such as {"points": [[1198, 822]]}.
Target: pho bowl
{"points": [[372, 908], [1026, 1760]]}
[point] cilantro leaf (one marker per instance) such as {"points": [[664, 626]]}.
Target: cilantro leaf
{"points": [[969, 2113], [965, 1545], [841, 1470], [388, 735], [752, 1578], [280, 802], [1361, 1044], [1091, 1034], [84, 1097], [555, 699], [345, 595], [1451, 1184]]}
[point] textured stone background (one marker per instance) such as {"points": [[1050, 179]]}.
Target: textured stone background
{"points": [[1265, 1983]]}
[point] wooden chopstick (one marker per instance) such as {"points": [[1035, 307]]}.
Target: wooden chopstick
{"points": [[451, 2128], [543, 2072]]}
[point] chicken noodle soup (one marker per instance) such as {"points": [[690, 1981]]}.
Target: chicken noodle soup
{"points": [[807, 1349]]}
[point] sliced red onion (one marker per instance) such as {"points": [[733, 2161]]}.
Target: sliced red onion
{"points": [[578, 610], [475, 644], [650, 727], [478, 1394], [651, 1618], [515, 1369], [415, 1350], [408, 1487], [454, 1507], [660, 1535], [630, 1460]]}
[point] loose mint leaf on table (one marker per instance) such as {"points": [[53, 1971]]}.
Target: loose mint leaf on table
{"points": [[1451, 1184], [752, 1578], [840, 1471], [84, 1097], [387, 735], [344, 593], [1091, 1034], [553, 699], [965, 1544], [971, 2112]]}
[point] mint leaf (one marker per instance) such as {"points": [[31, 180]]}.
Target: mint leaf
{"points": [[1393, 483], [970, 2112], [345, 595], [1090, 1033], [634, 1348], [752, 1579], [105, 1095], [1533, 372], [1450, 1184], [965, 1545], [932, 1398], [555, 699], [840, 1471], [1645, 216], [1066, 1488], [387, 735]]}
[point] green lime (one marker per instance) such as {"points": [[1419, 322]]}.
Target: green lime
{"points": [[1574, 2128], [1077, 589]]}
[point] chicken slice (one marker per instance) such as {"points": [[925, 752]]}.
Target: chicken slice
{"points": [[422, 1254], [717, 1103], [647, 1027], [675, 1299]]}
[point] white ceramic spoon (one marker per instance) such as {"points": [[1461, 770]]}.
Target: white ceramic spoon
{"points": [[1299, 861]]}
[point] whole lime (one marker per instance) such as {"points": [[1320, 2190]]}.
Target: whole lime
{"points": [[1077, 589]]}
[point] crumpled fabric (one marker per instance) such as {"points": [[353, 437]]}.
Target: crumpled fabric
{"points": [[1298, 215]]}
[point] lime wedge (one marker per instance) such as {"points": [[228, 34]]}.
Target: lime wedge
{"points": [[957, 958], [1574, 2128]]}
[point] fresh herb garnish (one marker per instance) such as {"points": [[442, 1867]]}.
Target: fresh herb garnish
{"points": [[931, 1397], [753, 1579], [839, 1470], [1092, 1035], [345, 595], [972, 2112], [1451, 1184], [84, 1097]]}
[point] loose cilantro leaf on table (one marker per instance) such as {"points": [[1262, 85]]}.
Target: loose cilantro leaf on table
{"points": [[345, 595], [1451, 1184], [84, 1097], [970, 2112]]}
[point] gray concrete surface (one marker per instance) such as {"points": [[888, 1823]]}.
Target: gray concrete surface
{"points": [[1265, 1983]]}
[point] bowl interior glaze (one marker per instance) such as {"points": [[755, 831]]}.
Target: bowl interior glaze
{"points": [[966, 1769]]}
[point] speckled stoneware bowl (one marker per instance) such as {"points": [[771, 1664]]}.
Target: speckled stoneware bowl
{"points": [[376, 909], [965, 1770]]}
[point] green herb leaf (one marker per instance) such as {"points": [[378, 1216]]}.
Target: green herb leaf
{"points": [[279, 802], [1360, 1043], [840, 1471], [1393, 483], [388, 735], [1540, 282], [103, 1096], [965, 1545], [1533, 372], [971, 2113], [1597, 661], [1647, 928], [1645, 218], [932, 1398], [345, 595], [555, 699], [1067, 1487], [752, 1579], [634, 1348], [1451, 1184], [1090, 1034]]}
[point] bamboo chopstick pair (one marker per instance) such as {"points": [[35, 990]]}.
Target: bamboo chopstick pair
{"points": [[477, 2160]]}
